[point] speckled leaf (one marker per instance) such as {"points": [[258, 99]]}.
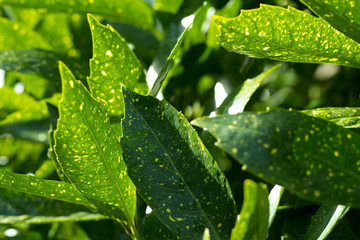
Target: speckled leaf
{"points": [[286, 35], [113, 63], [46, 188], [252, 222], [172, 170], [237, 100], [293, 150], [32, 112], [16, 207], [344, 15], [153, 228], [324, 221], [348, 117], [135, 12], [89, 152]]}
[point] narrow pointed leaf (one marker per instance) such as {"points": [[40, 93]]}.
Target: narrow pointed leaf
{"points": [[325, 221], [135, 12], [286, 35], [252, 222], [90, 154], [46, 188], [293, 150], [343, 15], [180, 182], [113, 63], [348, 117], [22, 208]]}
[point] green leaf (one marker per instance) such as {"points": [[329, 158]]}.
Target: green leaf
{"points": [[237, 100], [12, 101], [170, 6], [325, 221], [46, 188], [348, 117], [286, 35], [113, 63], [31, 112], [343, 15], [180, 182], [135, 12], [293, 150], [153, 228], [252, 222], [89, 152], [22, 208]]}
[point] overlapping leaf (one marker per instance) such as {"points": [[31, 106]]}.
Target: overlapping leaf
{"points": [[90, 154], [113, 63], [153, 228], [12, 101], [344, 15], [135, 12], [252, 222], [173, 171], [286, 35], [294, 150], [348, 117], [171, 6]]}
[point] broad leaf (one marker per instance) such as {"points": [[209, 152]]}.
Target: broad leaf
{"points": [[170, 6], [135, 12], [348, 117], [12, 101], [113, 63], [89, 152], [40, 187], [293, 150], [325, 221], [343, 15], [252, 222], [172, 170], [286, 35], [153, 228], [22, 208]]}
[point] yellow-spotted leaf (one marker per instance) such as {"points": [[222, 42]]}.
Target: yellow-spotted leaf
{"points": [[113, 63], [89, 152], [286, 35], [173, 172], [310, 157]]}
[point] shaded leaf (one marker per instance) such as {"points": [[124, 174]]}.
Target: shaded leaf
{"points": [[22, 208], [90, 154], [252, 222], [135, 12], [180, 182], [286, 35], [325, 221], [293, 150], [153, 228], [348, 117], [113, 63], [343, 15]]}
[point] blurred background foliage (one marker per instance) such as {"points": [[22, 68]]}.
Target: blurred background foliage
{"points": [[201, 77]]}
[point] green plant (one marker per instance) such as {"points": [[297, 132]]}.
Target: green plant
{"points": [[115, 149]]}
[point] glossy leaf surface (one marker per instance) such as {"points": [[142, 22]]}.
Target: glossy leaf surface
{"points": [[89, 153], [293, 150], [153, 228], [252, 222], [348, 117], [344, 15], [180, 182], [286, 35]]}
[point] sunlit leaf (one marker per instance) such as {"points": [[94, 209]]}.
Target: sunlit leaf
{"points": [[171, 6], [293, 150], [252, 222], [89, 152], [180, 182], [286, 35]]}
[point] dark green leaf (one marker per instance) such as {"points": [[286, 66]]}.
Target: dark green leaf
{"points": [[153, 228], [293, 150], [286, 35], [324, 221], [252, 222], [89, 152], [343, 15], [348, 117], [173, 171], [22, 208]]}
